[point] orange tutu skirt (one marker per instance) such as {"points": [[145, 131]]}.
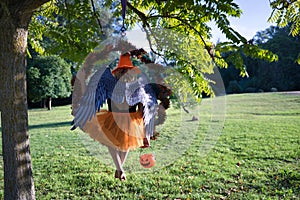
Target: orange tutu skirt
{"points": [[123, 131]]}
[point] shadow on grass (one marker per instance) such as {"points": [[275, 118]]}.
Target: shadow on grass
{"points": [[286, 182], [50, 125], [283, 184], [276, 114]]}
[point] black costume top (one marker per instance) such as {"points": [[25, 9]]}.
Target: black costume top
{"points": [[113, 107]]}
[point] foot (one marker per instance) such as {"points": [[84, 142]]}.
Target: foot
{"points": [[120, 175], [145, 143], [155, 135], [116, 174]]}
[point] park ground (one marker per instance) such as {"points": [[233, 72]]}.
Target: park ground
{"points": [[255, 156]]}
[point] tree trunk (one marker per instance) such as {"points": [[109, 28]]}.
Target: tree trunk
{"points": [[18, 180], [14, 19], [44, 103], [49, 103]]}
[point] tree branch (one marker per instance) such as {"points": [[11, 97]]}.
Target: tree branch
{"points": [[141, 15], [284, 4], [96, 15], [144, 19], [184, 22]]}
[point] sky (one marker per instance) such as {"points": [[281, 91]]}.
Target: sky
{"points": [[253, 19]]}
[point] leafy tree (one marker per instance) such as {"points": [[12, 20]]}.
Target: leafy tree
{"points": [[187, 19], [70, 29], [75, 26], [48, 77], [286, 12]]}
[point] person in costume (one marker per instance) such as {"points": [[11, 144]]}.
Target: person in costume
{"points": [[132, 105]]}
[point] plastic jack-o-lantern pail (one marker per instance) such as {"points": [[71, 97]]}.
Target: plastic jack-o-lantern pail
{"points": [[147, 160]]}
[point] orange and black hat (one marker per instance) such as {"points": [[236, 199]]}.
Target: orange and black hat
{"points": [[125, 63]]}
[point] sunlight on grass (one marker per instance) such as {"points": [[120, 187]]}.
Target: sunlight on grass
{"points": [[256, 156]]}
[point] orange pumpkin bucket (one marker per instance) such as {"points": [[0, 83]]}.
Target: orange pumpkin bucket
{"points": [[147, 160]]}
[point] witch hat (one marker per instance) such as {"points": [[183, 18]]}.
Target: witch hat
{"points": [[125, 63]]}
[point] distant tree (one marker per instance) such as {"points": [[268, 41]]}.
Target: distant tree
{"points": [[283, 75], [280, 41], [48, 77]]}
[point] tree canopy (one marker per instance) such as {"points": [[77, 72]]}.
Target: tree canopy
{"points": [[76, 27]]}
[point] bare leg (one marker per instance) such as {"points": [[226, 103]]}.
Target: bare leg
{"points": [[116, 158], [123, 156], [115, 154]]}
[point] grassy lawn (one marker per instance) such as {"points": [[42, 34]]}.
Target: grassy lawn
{"points": [[256, 156]]}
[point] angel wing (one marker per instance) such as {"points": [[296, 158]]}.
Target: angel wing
{"points": [[104, 85], [100, 88], [141, 92]]}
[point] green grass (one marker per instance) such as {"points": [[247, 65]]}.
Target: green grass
{"points": [[255, 157]]}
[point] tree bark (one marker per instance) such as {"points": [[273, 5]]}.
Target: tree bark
{"points": [[49, 103], [14, 19], [44, 103]]}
